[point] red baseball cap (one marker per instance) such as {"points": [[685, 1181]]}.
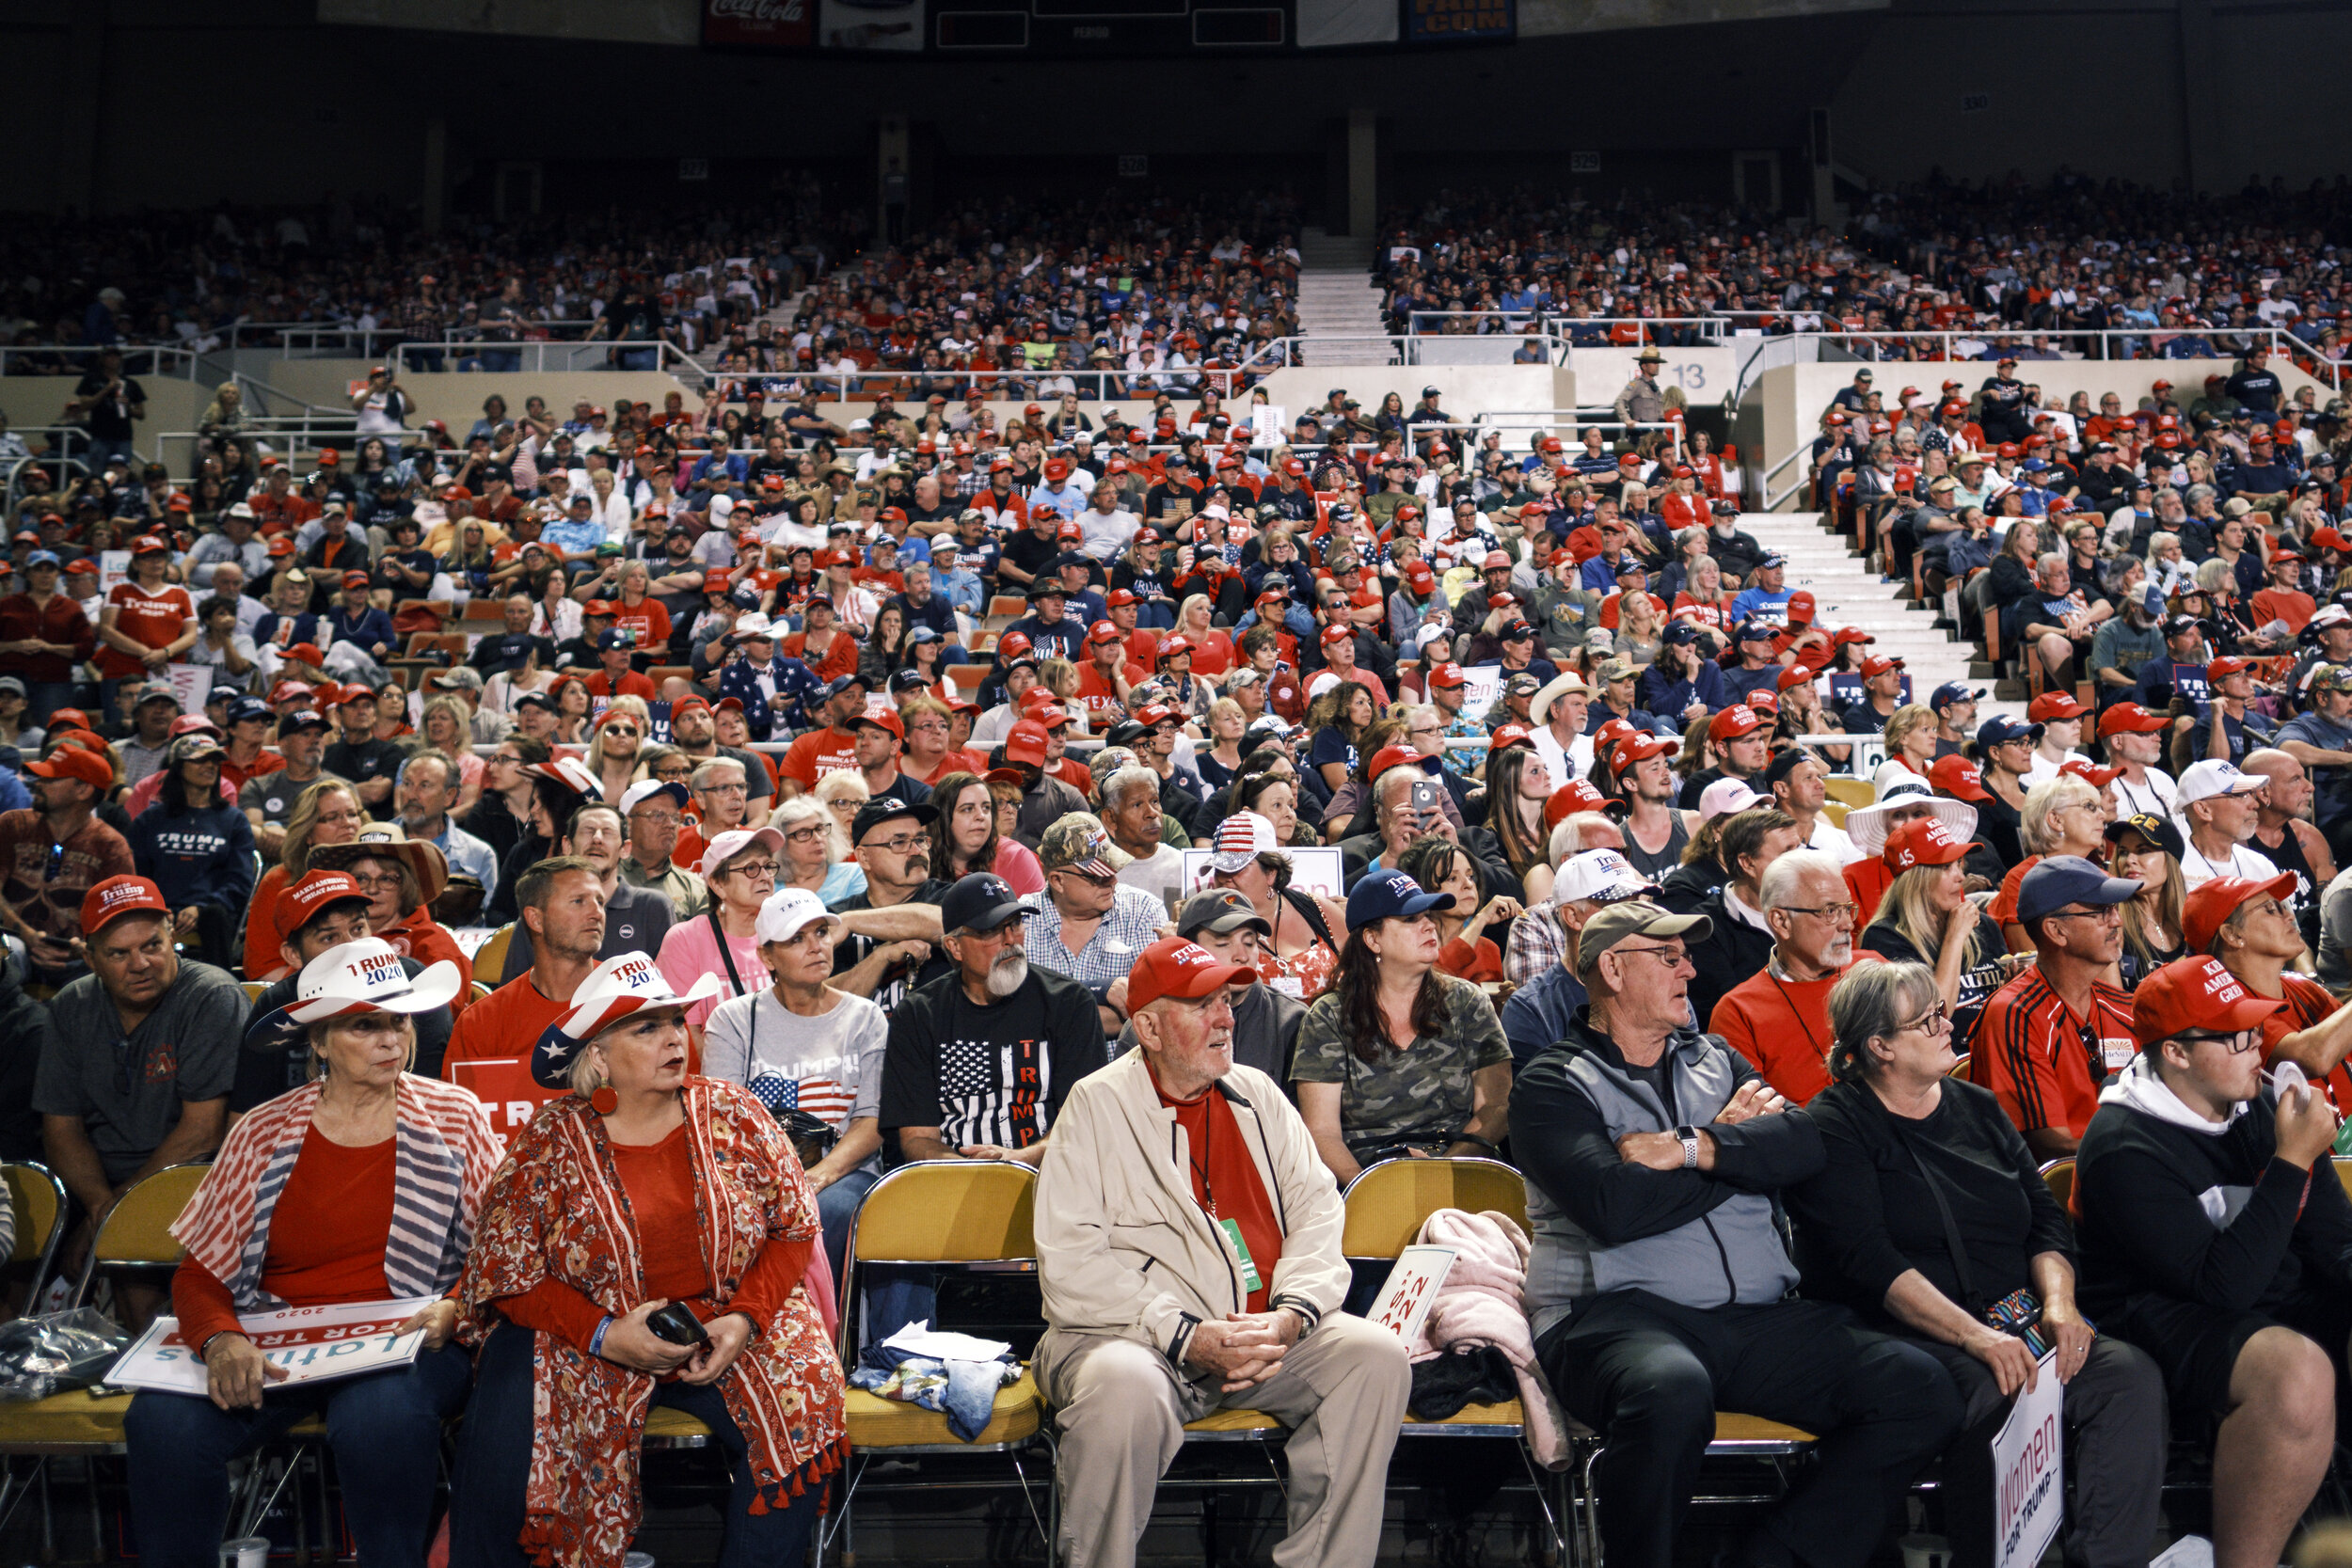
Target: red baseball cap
{"points": [[1879, 664], [1571, 797], [1925, 841], [1182, 968], [1508, 736], [1448, 674], [1959, 778], [2211, 903], [1641, 748], [2228, 664], [2091, 773], [1733, 723], [1800, 606], [2053, 705], [2132, 718], [1104, 632], [306, 653], [1171, 646], [1120, 598], [1027, 743], [354, 579], [1012, 645], [1337, 632], [117, 896], [1799, 673], [2195, 993], [73, 762], [300, 902], [67, 718], [1391, 756]]}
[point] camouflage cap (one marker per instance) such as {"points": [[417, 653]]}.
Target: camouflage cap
{"points": [[1079, 842]]}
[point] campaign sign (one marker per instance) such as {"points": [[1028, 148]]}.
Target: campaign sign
{"points": [[506, 1089], [311, 1343], [2030, 1471], [1313, 869], [1402, 1305]]}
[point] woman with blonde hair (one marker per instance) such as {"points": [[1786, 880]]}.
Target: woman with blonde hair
{"points": [[620, 735], [1213, 655], [815, 852], [328, 812], [448, 729], [1221, 759], [1638, 632], [1060, 678], [1910, 743], [842, 791], [2063, 816], [1926, 917]]}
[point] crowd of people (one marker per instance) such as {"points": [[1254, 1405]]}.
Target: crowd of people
{"points": [[2170, 276], [1382, 801]]}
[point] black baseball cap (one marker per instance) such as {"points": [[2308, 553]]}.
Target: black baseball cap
{"points": [[1219, 912], [2157, 831], [888, 809], [981, 902]]}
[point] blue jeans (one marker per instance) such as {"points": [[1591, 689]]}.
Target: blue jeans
{"points": [[43, 698], [385, 1429], [834, 1207], [485, 1506], [101, 453]]}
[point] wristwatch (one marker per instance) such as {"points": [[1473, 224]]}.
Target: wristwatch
{"points": [[1690, 1136]]}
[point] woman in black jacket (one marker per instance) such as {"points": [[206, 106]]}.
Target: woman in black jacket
{"points": [[1930, 1214]]}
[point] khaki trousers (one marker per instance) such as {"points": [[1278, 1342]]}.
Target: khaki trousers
{"points": [[1120, 1408]]}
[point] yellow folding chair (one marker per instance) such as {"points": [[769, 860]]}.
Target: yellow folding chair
{"points": [[1388, 1203], [1851, 792], [2058, 1176], [937, 1211], [489, 959], [36, 1197]]}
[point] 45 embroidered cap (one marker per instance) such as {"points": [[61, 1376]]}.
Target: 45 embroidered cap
{"points": [[1179, 967], [362, 976], [623, 985], [2195, 993]]}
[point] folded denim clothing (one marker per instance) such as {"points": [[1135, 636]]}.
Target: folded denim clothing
{"points": [[964, 1391]]}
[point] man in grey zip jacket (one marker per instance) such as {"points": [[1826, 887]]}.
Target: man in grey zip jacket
{"points": [[1188, 1247], [1659, 1286]]}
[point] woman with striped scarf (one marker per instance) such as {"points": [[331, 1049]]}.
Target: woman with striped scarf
{"points": [[362, 1186]]}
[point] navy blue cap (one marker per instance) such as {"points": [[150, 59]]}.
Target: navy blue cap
{"points": [[222, 694], [2058, 880], [981, 902], [1955, 691], [1772, 559], [1761, 631], [619, 637], [1679, 634], [1995, 731], [1390, 896], [249, 707], [839, 684], [744, 598]]}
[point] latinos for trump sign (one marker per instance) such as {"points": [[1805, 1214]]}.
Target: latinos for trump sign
{"points": [[759, 23], [2030, 1471], [308, 1343]]}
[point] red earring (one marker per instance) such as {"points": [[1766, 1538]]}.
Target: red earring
{"points": [[605, 1101]]}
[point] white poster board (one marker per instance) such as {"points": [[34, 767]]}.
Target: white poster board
{"points": [[1402, 1305], [1481, 684], [311, 1343], [1316, 869], [114, 567], [191, 684], [1267, 425], [2029, 1472]]}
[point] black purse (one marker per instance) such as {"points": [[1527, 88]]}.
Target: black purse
{"points": [[2019, 1312]]}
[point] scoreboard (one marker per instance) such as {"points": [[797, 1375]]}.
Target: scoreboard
{"points": [[1079, 30]]}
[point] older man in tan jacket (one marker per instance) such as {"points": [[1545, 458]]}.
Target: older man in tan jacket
{"points": [[1188, 1244]]}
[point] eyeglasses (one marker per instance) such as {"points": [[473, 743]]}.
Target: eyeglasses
{"points": [[2111, 915], [655, 818], [2237, 1044], [756, 870], [905, 844], [382, 881], [1673, 958], [1934, 1021], [803, 835], [1836, 914], [721, 788]]}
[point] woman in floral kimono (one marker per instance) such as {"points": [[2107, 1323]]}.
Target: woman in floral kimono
{"points": [[643, 1187]]}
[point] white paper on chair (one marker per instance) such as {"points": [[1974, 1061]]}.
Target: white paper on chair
{"points": [[1403, 1302], [311, 1343], [919, 1339]]}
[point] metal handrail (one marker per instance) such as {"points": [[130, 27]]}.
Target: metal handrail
{"points": [[184, 360], [664, 352], [1771, 502]]}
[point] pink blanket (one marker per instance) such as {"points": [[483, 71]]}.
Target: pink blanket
{"points": [[1479, 1305]]}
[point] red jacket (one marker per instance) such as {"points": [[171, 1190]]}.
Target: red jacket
{"points": [[59, 620]]}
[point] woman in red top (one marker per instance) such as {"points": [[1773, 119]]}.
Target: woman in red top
{"points": [[642, 1186], [1464, 951], [825, 648], [147, 623], [363, 1185]]}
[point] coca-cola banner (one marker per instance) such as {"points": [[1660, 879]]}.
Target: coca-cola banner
{"points": [[759, 23]]}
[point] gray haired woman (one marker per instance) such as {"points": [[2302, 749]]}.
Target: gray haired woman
{"points": [[1933, 1222]]}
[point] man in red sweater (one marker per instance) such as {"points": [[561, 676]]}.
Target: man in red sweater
{"points": [[1778, 1021]]}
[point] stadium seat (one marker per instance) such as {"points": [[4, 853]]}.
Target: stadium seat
{"points": [[2058, 1175], [1851, 792], [36, 1197], [489, 959], [937, 1212]]}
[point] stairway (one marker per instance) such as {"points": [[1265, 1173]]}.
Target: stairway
{"points": [[1845, 593], [1336, 297]]}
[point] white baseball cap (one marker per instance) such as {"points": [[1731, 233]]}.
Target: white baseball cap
{"points": [[1726, 796], [1601, 875], [787, 913], [2204, 780], [1240, 839], [645, 789]]}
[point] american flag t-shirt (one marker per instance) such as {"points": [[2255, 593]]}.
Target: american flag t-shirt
{"points": [[990, 1091]]}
